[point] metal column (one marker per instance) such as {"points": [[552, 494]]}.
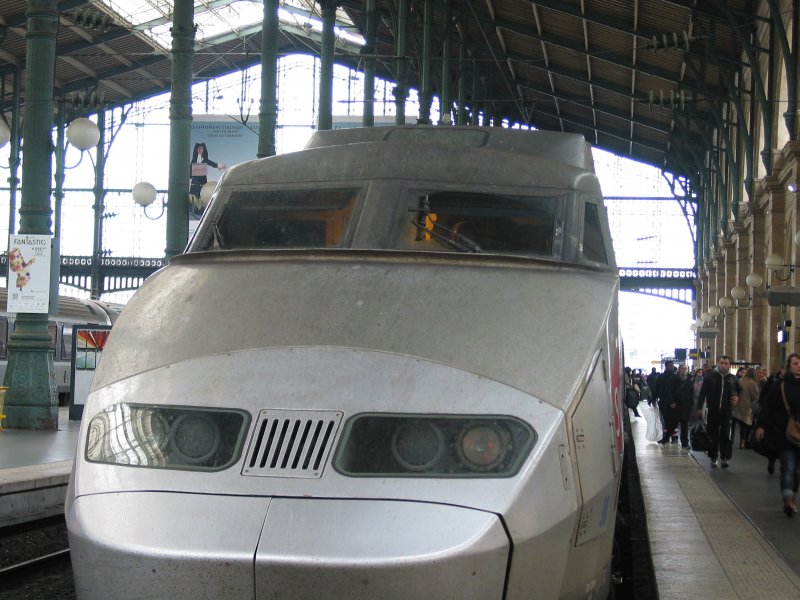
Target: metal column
{"points": [[268, 115], [444, 108], [14, 155], [58, 197], [180, 128], [461, 115], [324, 114], [426, 92], [32, 400], [401, 89], [99, 206], [369, 49]]}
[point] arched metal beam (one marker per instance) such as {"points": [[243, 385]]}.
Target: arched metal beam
{"points": [[789, 60], [758, 83]]}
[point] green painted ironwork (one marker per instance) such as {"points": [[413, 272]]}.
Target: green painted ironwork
{"points": [[180, 128], [368, 51], [325, 112], [32, 400], [268, 115], [401, 89]]}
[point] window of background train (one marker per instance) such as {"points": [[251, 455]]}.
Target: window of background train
{"points": [[593, 247], [482, 222], [66, 342], [302, 218]]}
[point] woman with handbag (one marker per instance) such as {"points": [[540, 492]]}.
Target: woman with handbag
{"points": [[778, 418]]}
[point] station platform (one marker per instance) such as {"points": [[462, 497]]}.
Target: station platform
{"points": [[34, 470], [714, 533]]}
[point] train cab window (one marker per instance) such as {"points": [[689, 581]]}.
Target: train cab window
{"points": [[3, 337], [593, 247], [478, 222], [253, 219]]}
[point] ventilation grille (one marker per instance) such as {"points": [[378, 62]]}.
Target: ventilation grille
{"points": [[291, 443]]}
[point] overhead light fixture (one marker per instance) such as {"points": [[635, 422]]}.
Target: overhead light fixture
{"points": [[83, 133], [144, 194], [775, 265], [754, 280]]}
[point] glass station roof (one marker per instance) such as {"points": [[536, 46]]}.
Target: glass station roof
{"points": [[216, 18]]}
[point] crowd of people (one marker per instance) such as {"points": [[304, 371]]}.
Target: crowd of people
{"points": [[714, 402]]}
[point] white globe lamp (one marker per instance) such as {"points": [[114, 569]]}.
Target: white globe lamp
{"points": [[83, 134], [738, 292], [144, 193], [774, 262], [754, 280]]}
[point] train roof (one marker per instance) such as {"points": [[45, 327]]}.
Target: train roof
{"points": [[457, 155], [567, 148], [73, 310]]}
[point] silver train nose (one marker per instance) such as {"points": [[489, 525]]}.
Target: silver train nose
{"points": [[360, 549], [203, 546]]}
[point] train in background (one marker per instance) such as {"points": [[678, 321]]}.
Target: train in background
{"points": [[71, 311], [388, 366]]}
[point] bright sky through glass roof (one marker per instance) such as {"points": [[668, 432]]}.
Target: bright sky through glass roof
{"points": [[221, 17]]}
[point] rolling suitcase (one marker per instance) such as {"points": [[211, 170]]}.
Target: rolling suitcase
{"points": [[698, 437]]}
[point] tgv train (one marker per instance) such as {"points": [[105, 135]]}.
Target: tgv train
{"points": [[387, 366], [71, 311]]}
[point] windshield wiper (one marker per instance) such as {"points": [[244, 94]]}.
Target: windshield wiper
{"points": [[217, 235], [454, 239], [458, 241]]}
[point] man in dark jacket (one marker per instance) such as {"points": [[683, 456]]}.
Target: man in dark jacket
{"points": [[652, 378], [666, 392], [721, 391]]}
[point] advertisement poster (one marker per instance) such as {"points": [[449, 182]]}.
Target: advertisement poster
{"points": [[226, 142], [28, 273]]}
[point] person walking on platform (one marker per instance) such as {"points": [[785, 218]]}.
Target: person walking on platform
{"points": [[685, 403], [743, 413], [761, 378], [697, 385], [666, 392], [720, 390], [774, 379], [783, 400], [631, 392], [652, 378]]}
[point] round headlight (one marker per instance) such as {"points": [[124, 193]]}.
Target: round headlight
{"points": [[155, 429], [418, 445], [483, 446], [194, 438]]}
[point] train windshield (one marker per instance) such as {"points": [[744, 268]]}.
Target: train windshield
{"points": [[482, 222], [317, 218]]}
